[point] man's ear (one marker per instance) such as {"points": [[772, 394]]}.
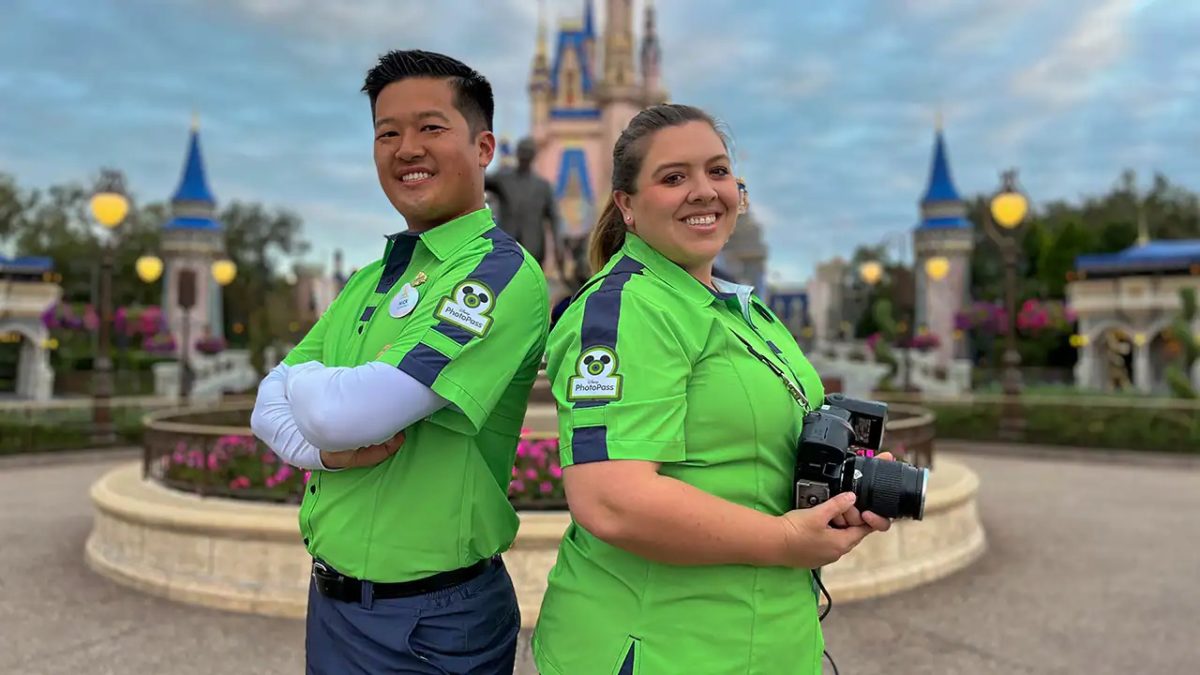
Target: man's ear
{"points": [[486, 142]]}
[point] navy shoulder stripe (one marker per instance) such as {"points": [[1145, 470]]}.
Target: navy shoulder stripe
{"points": [[602, 312], [496, 269]]}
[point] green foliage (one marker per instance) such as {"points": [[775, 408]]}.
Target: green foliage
{"points": [[1076, 424], [1056, 232]]}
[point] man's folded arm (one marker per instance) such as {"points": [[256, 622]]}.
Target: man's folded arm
{"points": [[342, 408], [272, 422]]}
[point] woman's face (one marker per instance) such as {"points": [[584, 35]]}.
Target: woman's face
{"points": [[686, 201]]}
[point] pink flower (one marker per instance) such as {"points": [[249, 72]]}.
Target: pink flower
{"points": [[522, 448], [268, 458], [518, 485], [270, 481], [546, 487], [307, 475], [531, 474], [556, 471]]}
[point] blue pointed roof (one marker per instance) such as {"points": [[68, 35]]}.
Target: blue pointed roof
{"points": [[193, 187], [941, 206], [193, 203], [941, 184]]}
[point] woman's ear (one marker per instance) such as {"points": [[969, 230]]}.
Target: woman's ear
{"points": [[624, 204]]}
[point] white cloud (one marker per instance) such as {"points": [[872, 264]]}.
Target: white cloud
{"points": [[1072, 69]]}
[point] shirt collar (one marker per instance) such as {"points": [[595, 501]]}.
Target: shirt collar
{"points": [[675, 276], [444, 240]]}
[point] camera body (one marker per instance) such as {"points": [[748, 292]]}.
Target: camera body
{"points": [[827, 464]]}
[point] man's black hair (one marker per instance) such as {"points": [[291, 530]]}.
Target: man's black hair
{"points": [[472, 92]]}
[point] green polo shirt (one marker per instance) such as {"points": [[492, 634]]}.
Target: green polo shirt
{"points": [[647, 365], [463, 309]]}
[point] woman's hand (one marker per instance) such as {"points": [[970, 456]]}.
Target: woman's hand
{"points": [[853, 517], [810, 542]]}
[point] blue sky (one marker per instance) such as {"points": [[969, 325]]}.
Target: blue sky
{"points": [[831, 104]]}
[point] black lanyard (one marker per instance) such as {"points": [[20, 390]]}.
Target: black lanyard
{"points": [[795, 389]]}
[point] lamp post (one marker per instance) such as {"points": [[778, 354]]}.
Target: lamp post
{"points": [[109, 206], [1006, 213]]}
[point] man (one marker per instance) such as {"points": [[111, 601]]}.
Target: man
{"points": [[406, 400], [526, 205]]}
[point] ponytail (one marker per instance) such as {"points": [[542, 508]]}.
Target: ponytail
{"points": [[608, 236]]}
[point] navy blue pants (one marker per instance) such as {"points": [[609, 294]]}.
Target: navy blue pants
{"points": [[468, 629]]}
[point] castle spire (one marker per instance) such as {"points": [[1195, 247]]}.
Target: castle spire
{"points": [[941, 206], [589, 21], [618, 44], [651, 58], [193, 204], [539, 76]]}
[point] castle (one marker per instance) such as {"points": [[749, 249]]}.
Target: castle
{"points": [[580, 100]]}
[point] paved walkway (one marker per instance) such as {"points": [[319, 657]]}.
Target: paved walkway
{"points": [[1092, 568]]}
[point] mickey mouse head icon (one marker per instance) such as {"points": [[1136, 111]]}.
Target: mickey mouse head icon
{"points": [[597, 362], [477, 298]]}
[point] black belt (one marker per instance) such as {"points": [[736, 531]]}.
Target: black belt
{"points": [[335, 585]]}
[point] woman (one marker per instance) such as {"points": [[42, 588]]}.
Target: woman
{"points": [[678, 443]]}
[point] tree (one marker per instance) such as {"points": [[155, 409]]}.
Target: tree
{"points": [[56, 223], [252, 236]]}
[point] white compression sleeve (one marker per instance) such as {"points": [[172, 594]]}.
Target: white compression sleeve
{"points": [[272, 422], [343, 408]]}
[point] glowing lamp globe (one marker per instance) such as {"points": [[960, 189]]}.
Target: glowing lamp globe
{"points": [[937, 267], [870, 271], [149, 268], [109, 208], [1008, 209], [224, 272]]}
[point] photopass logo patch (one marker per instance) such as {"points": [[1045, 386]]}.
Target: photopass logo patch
{"points": [[468, 306], [596, 379]]}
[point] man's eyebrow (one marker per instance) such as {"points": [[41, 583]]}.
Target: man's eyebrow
{"points": [[419, 116], [672, 165]]}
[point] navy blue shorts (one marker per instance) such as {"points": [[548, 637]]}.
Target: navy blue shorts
{"points": [[468, 629]]}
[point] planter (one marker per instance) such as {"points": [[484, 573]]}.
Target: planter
{"points": [[245, 556]]}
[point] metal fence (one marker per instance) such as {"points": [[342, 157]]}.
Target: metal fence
{"points": [[211, 451]]}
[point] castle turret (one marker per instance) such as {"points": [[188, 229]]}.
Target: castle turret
{"points": [[946, 234], [619, 93], [651, 58], [192, 239], [540, 87]]}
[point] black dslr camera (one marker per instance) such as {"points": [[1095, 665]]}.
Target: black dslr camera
{"points": [[827, 465]]}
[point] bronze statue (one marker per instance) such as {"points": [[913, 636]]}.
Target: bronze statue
{"points": [[524, 204]]}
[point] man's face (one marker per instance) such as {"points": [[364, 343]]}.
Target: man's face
{"points": [[429, 163]]}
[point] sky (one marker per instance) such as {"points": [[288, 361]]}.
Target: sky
{"points": [[831, 105]]}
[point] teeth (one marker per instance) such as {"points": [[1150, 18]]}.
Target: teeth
{"points": [[409, 177], [702, 220]]}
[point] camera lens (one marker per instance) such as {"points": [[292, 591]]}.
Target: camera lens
{"points": [[889, 489]]}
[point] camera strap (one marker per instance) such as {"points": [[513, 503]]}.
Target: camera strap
{"points": [[796, 389]]}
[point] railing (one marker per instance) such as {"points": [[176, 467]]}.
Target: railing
{"points": [[211, 451]]}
